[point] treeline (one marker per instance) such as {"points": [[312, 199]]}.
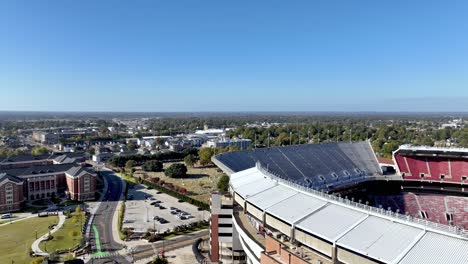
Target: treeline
{"points": [[385, 138], [120, 161]]}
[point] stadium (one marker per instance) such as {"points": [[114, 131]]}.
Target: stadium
{"points": [[334, 203]]}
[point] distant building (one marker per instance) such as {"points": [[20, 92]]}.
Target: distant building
{"points": [[45, 137], [211, 132], [226, 142], [102, 156]]}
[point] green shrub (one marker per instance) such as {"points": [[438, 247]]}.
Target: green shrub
{"points": [[152, 165], [176, 170]]}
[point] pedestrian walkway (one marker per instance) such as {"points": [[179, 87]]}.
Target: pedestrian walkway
{"points": [[35, 246], [17, 220]]}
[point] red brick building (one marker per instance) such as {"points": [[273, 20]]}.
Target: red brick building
{"points": [[11, 193], [44, 177], [81, 183]]}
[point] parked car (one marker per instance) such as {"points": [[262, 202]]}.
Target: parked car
{"points": [[6, 216]]}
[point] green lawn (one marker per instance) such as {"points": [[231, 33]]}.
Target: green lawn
{"points": [[16, 238], [66, 237]]}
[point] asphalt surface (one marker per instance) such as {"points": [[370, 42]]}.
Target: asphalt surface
{"points": [[146, 251], [103, 222]]}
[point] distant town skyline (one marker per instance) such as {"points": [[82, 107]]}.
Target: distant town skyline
{"points": [[166, 56]]}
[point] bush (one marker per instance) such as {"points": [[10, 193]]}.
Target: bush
{"points": [[155, 180], [130, 164], [223, 183], [190, 160], [69, 257], [176, 170], [205, 155], [183, 191], [152, 165], [37, 260]]}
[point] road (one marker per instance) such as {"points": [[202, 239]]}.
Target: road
{"points": [[149, 250], [103, 244], [105, 248]]}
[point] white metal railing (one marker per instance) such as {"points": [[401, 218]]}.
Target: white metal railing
{"points": [[370, 209]]}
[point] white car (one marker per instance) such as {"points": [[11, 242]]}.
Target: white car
{"points": [[6, 216]]}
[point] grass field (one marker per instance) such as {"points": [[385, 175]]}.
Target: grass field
{"points": [[200, 182], [16, 238], [66, 237]]}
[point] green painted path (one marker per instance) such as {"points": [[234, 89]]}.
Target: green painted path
{"points": [[98, 253]]}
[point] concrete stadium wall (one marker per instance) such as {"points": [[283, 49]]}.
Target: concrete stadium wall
{"points": [[278, 225], [312, 242], [255, 212], [239, 200]]}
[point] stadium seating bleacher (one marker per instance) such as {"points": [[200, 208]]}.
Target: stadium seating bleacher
{"points": [[310, 165]]}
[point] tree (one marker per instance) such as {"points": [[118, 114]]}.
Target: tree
{"points": [[130, 164], [176, 170], [39, 151], [78, 209], [131, 145], [152, 165], [223, 183], [190, 160], [205, 155], [92, 151]]}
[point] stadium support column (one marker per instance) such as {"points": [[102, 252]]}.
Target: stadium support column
{"points": [[334, 255]]}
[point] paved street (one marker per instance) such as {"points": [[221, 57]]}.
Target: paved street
{"points": [[103, 244]]}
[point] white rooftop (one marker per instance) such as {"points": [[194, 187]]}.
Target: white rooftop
{"points": [[331, 221], [437, 249], [272, 196], [295, 207], [384, 244], [382, 237]]}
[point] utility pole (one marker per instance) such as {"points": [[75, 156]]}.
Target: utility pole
{"points": [[290, 138]]}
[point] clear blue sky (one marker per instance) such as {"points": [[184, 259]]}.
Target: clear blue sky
{"points": [[154, 55]]}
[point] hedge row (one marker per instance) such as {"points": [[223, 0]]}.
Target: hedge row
{"points": [[120, 221], [177, 195], [122, 212]]}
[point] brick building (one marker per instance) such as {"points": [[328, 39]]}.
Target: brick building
{"points": [[11, 193], [45, 177]]}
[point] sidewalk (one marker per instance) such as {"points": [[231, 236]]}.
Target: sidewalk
{"points": [[17, 220], [35, 245]]}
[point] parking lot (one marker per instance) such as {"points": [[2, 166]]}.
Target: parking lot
{"points": [[147, 208]]}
